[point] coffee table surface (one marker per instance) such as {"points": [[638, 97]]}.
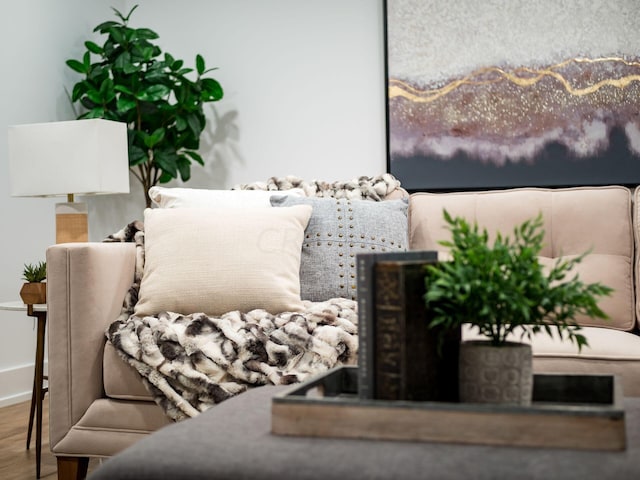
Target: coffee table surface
{"points": [[233, 441]]}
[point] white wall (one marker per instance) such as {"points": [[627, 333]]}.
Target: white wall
{"points": [[304, 95]]}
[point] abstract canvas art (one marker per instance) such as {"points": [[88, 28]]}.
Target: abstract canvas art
{"points": [[513, 93]]}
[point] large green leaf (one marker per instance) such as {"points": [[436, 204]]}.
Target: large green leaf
{"points": [[195, 156], [125, 104], [79, 89], [156, 137], [194, 124], [137, 155], [200, 66], [148, 53], [98, 73], [157, 75], [165, 177], [167, 161], [95, 96], [118, 34], [86, 59], [97, 112], [153, 93], [123, 60], [77, 66], [123, 89], [105, 26], [107, 91], [93, 47], [211, 90], [146, 33], [184, 167]]}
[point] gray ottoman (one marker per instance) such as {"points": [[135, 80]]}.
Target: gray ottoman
{"points": [[233, 441]]}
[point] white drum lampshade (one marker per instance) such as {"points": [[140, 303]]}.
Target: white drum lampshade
{"points": [[77, 157]]}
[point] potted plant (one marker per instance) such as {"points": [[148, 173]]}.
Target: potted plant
{"points": [[131, 82], [502, 291], [34, 291]]}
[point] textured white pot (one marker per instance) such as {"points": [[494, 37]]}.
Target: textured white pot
{"points": [[489, 374]]}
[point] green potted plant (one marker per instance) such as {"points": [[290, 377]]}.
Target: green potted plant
{"points": [[502, 291], [132, 82], [34, 291]]}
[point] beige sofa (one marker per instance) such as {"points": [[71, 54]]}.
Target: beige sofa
{"points": [[98, 405]]}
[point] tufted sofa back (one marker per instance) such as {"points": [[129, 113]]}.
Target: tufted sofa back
{"points": [[597, 219]]}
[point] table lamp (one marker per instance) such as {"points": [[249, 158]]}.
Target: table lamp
{"points": [[77, 157]]}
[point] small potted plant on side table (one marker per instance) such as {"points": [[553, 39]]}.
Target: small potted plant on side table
{"points": [[34, 291], [503, 291]]}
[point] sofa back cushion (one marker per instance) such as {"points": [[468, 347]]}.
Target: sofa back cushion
{"points": [[636, 232], [595, 219]]}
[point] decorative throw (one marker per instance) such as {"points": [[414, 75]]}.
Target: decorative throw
{"points": [[366, 188], [192, 362]]}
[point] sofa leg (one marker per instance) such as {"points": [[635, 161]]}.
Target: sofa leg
{"points": [[72, 468]]}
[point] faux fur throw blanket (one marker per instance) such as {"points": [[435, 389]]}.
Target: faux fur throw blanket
{"points": [[366, 188], [192, 362]]}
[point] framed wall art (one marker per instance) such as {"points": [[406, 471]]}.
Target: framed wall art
{"points": [[509, 93]]}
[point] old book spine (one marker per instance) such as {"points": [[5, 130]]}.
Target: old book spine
{"points": [[391, 331], [365, 281], [407, 363]]}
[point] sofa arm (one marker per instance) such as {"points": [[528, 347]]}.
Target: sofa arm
{"points": [[86, 286]]}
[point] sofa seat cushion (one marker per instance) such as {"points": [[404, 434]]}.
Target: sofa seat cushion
{"points": [[610, 352], [121, 380], [109, 426], [576, 220]]}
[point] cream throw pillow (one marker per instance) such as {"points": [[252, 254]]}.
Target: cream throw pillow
{"points": [[219, 260], [168, 197]]}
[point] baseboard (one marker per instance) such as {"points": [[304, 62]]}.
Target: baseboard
{"points": [[16, 384]]}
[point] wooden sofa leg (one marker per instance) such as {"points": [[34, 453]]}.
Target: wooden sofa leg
{"points": [[72, 468]]}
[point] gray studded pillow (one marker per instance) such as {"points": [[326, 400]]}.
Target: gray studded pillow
{"points": [[337, 231]]}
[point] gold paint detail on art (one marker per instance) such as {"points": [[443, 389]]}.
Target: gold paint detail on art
{"points": [[522, 76]]}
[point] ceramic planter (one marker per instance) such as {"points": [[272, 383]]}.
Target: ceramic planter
{"points": [[34, 293], [490, 374]]}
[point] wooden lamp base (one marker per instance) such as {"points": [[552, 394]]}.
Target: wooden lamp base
{"points": [[72, 224]]}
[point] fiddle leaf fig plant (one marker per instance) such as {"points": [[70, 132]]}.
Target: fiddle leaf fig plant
{"points": [[502, 288], [129, 79]]}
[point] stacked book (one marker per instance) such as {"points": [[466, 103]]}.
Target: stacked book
{"points": [[400, 357]]}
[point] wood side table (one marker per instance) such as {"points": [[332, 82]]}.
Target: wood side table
{"points": [[38, 391]]}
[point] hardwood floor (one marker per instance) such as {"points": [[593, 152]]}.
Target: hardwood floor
{"points": [[16, 462]]}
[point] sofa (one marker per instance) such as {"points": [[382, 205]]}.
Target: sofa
{"points": [[99, 404]]}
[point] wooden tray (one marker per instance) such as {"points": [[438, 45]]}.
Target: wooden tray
{"points": [[568, 411]]}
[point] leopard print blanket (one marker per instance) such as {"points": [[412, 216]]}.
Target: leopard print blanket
{"points": [[192, 362]]}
